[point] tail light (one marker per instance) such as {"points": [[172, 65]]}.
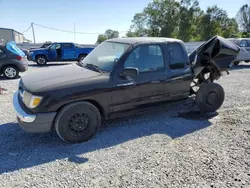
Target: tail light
{"points": [[19, 57]]}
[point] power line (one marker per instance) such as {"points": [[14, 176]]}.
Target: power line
{"points": [[68, 31], [65, 30], [27, 29]]}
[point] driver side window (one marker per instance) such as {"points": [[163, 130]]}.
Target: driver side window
{"points": [[146, 58], [53, 47]]}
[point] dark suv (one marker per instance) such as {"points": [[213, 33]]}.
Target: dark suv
{"points": [[12, 60]]}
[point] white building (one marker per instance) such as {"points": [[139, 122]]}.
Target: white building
{"points": [[7, 34]]}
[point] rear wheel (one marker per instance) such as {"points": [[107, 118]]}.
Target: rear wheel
{"points": [[10, 72], [210, 97], [41, 60], [78, 122]]}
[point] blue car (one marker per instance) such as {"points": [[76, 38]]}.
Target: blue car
{"points": [[59, 52]]}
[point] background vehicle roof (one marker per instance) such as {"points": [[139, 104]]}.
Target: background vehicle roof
{"points": [[133, 40]]}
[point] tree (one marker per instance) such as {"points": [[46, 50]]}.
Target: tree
{"points": [[138, 27], [101, 38], [216, 22], [243, 18], [188, 11], [109, 34], [162, 17]]}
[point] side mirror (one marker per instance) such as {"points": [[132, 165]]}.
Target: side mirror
{"points": [[130, 71]]}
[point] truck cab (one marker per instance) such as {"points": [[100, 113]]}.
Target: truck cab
{"points": [[59, 52]]}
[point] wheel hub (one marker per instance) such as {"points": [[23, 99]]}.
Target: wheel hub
{"points": [[41, 60], [211, 97], [78, 122], [10, 72]]}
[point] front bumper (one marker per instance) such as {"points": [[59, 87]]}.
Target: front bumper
{"points": [[34, 123]]}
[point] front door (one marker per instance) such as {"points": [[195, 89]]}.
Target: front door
{"points": [[148, 87], [52, 54]]}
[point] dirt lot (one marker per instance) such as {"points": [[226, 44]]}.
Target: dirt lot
{"points": [[165, 148]]}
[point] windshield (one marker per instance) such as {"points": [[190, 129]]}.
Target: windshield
{"points": [[105, 55]]}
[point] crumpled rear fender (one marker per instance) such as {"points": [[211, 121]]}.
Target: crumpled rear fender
{"points": [[216, 54]]}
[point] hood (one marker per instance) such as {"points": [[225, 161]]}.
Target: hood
{"points": [[217, 51], [38, 49], [56, 78]]}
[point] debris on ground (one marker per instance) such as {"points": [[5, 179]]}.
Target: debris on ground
{"points": [[2, 90]]}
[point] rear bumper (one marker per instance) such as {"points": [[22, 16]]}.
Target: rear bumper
{"points": [[33, 123], [23, 66]]}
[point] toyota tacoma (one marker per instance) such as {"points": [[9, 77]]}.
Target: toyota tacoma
{"points": [[121, 77]]}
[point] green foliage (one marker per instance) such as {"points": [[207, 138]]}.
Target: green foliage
{"points": [[243, 18], [109, 34], [101, 38], [185, 20]]}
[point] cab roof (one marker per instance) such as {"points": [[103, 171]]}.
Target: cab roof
{"points": [[133, 40]]}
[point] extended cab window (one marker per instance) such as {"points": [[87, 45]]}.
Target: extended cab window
{"points": [[67, 46], [146, 58], [176, 56]]}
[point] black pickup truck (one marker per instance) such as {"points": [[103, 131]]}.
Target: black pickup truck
{"points": [[121, 77]]}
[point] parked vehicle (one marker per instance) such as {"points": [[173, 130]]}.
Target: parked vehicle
{"points": [[244, 54], [12, 60], [44, 45], [59, 52], [27, 51], [121, 77]]}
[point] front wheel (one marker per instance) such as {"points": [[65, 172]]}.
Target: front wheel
{"points": [[10, 72], [78, 122], [41, 60], [210, 97]]}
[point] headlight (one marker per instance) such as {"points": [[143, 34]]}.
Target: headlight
{"points": [[31, 101]]}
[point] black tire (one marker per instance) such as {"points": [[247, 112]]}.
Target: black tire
{"points": [[78, 122], [41, 60], [7, 72], [81, 57], [210, 97]]}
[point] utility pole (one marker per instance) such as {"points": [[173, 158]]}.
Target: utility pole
{"points": [[34, 38], [74, 32]]}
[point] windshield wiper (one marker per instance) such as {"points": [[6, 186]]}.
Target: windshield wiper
{"points": [[93, 67]]}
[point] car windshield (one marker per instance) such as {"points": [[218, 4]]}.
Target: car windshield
{"points": [[105, 55]]}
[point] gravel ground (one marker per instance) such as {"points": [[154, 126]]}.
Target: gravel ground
{"points": [[170, 147]]}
